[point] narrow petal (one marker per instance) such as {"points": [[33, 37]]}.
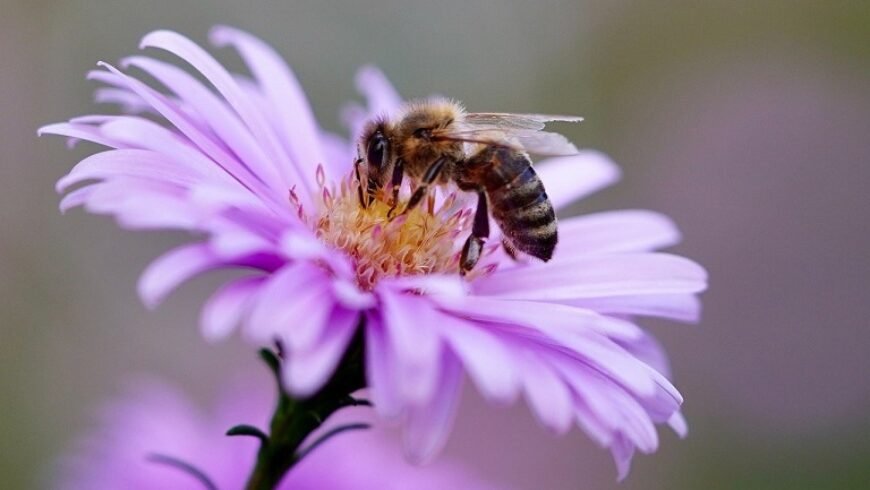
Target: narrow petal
{"points": [[622, 450], [428, 425], [567, 179], [173, 268], [681, 307], [80, 132], [350, 296], [225, 309], [383, 98], [175, 116], [142, 164], [221, 79], [381, 369], [486, 358], [597, 276], [545, 317], [297, 123], [293, 305], [139, 132], [143, 204], [77, 198], [307, 370], [616, 231], [410, 325], [547, 394], [679, 425], [613, 405], [129, 102], [221, 119]]}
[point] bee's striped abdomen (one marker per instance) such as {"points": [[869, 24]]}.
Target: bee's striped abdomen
{"points": [[520, 204]]}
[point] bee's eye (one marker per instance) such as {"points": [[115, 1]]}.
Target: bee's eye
{"points": [[376, 153]]}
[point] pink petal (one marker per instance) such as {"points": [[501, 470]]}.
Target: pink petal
{"points": [[428, 425], [349, 295], [650, 351], [139, 132], [410, 326], [129, 102], [382, 97], [680, 307], [77, 197], [622, 450], [173, 268], [548, 396], [221, 119], [567, 179], [79, 131], [237, 99], [678, 424], [142, 204], [143, 164], [486, 358], [297, 123], [381, 369], [597, 276], [545, 317], [615, 407], [225, 309], [616, 231], [175, 116], [294, 305], [307, 370]]}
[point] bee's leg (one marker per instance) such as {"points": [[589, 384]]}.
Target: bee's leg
{"points": [[360, 192], [430, 176], [396, 182], [479, 233]]}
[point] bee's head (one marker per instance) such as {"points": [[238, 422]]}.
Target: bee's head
{"points": [[376, 151]]}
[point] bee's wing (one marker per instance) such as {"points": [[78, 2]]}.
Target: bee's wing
{"points": [[529, 140], [521, 131], [506, 121]]}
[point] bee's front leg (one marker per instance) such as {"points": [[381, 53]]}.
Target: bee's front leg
{"points": [[430, 176], [473, 247], [396, 183], [361, 193]]}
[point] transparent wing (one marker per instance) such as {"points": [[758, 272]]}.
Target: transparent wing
{"points": [[504, 120], [529, 140], [521, 131]]}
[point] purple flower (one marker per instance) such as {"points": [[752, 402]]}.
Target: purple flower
{"points": [[143, 437], [247, 167]]}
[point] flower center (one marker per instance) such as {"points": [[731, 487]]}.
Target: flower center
{"points": [[421, 241]]}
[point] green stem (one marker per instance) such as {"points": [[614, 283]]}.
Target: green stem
{"points": [[294, 420]]}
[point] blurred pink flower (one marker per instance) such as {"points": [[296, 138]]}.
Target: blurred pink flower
{"points": [[153, 420], [249, 169]]}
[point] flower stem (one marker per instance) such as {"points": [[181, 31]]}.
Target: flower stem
{"points": [[295, 419]]}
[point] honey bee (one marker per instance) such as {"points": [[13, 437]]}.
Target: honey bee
{"points": [[435, 142]]}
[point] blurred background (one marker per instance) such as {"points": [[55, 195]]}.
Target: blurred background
{"points": [[747, 122]]}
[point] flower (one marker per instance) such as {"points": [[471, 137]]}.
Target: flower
{"points": [[248, 169], [145, 436]]}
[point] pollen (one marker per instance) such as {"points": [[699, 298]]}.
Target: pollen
{"points": [[384, 244]]}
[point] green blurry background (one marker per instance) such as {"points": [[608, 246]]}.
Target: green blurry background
{"points": [[748, 122]]}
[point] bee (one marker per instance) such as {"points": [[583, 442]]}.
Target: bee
{"points": [[435, 142]]}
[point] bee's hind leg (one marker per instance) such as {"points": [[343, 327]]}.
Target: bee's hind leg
{"points": [[479, 233]]}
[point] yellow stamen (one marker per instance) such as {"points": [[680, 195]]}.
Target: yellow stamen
{"points": [[421, 241]]}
